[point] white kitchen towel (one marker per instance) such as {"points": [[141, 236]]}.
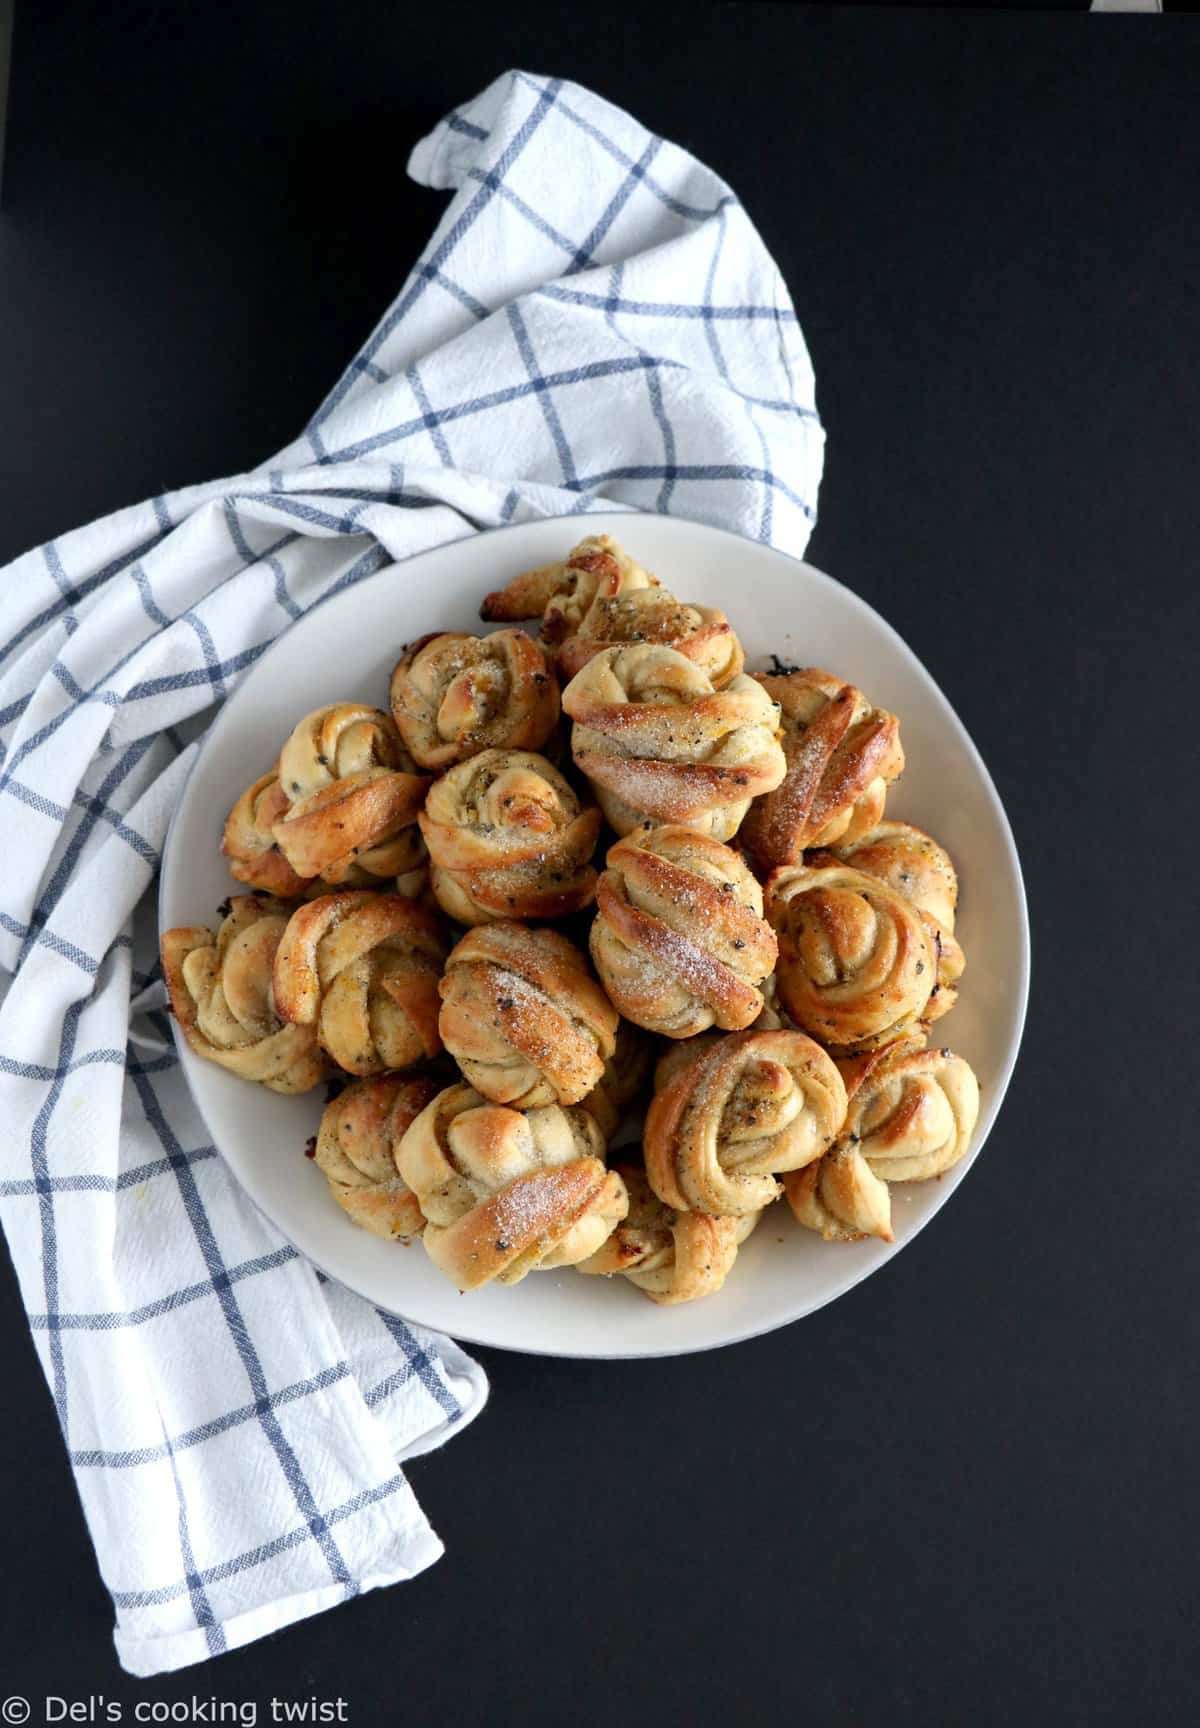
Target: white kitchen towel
{"points": [[594, 321]]}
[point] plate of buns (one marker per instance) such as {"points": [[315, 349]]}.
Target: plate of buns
{"points": [[596, 937]]}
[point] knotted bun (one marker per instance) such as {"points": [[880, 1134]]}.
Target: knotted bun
{"points": [[507, 1192], [679, 939], [363, 970], [222, 997], [912, 862], [857, 963], [841, 753], [454, 695], [508, 838], [524, 1018], [598, 597], [356, 1151], [910, 1116], [729, 1116], [353, 795], [659, 743]]}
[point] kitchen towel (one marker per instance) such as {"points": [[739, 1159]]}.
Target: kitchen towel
{"points": [[594, 322]]}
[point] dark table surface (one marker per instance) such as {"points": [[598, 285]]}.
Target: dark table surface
{"points": [[966, 1491]]}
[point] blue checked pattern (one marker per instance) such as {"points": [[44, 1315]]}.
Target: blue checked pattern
{"points": [[594, 321]]}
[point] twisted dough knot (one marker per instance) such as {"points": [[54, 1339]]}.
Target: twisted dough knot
{"points": [[658, 742], [523, 1017], [454, 695], [679, 939], [507, 1192], [507, 839], [600, 598], [841, 754], [726, 1117], [222, 997], [363, 970], [625, 1074], [353, 795], [857, 963], [911, 1115], [672, 1256], [250, 845], [913, 863], [356, 1151]]}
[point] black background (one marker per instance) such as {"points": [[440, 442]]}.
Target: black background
{"points": [[966, 1492]]}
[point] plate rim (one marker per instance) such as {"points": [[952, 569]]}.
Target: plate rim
{"points": [[999, 1091]]}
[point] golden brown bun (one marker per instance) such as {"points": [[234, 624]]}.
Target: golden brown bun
{"points": [[672, 1256], [841, 754], [356, 1151], [910, 1116], [600, 598], [507, 1192], [454, 695], [857, 963], [507, 838], [658, 743], [912, 862], [250, 845], [523, 1017], [679, 940], [221, 995], [562, 594], [728, 1116], [363, 969], [625, 1075], [352, 794]]}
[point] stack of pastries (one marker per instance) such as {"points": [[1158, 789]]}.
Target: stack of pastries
{"points": [[758, 948]]}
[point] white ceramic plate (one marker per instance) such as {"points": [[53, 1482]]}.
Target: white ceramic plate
{"points": [[346, 649]]}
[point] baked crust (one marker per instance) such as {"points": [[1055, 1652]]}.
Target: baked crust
{"points": [[671, 1256]]}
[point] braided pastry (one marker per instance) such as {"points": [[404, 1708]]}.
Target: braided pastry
{"points": [[913, 863], [222, 998], [910, 1116], [508, 1192], [353, 795], [679, 939], [672, 1256], [250, 845], [523, 1017], [857, 963], [728, 1116], [625, 1074], [454, 695], [600, 598], [658, 742], [363, 970], [840, 752], [356, 1151], [507, 838]]}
